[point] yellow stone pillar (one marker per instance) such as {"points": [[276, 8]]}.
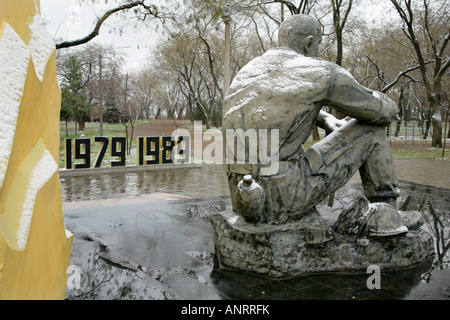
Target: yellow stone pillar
{"points": [[35, 247]]}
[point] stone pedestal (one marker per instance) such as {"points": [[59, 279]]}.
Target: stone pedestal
{"points": [[310, 246]]}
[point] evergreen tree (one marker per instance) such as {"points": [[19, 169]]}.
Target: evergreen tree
{"points": [[73, 102]]}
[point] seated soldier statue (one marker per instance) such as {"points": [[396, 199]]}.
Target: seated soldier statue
{"points": [[286, 89]]}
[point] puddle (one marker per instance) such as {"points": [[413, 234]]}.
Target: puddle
{"points": [[204, 181]]}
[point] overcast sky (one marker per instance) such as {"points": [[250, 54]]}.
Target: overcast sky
{"points": [[74, 19], [70, 20]]}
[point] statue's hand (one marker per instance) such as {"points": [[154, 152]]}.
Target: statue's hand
{"points": [[330, 123], [334, 123]]}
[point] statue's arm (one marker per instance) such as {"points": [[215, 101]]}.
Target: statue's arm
{"points": [[356, 101]]}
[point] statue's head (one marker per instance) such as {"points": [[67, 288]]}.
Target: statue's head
{"points": [[301, 33]]}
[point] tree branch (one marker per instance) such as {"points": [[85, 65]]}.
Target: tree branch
{"points": [[401, 74], [210, 60], [444, 44], [96, 30], [443, 69]]}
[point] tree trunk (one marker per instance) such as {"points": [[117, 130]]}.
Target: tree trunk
{"points": [[445, 138], [131, 139], [80, 125], [158, 113], [401, 100], [397, 128], [427, 124], [205, 114], [340, 50], [436, 137]]}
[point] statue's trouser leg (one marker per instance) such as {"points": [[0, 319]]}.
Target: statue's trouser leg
{"points": [[356, 146], [324, 168]]}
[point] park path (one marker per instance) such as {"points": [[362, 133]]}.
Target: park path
{"points": [[430, 172]]}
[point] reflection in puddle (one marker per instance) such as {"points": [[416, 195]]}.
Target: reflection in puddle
{"points": [[206, 181], [102, 279], [188, 272]]}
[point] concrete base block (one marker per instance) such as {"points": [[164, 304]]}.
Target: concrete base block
{"points": [[310, 246]]}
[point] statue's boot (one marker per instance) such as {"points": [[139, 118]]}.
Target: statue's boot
{"points": [[412, 219], [384, 221]]}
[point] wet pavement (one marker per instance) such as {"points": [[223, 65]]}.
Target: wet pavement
{"points": [[153, 241]]}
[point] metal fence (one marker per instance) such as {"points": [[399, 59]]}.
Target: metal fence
{"points": [[408, 132]]}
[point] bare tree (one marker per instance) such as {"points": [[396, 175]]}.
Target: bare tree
{"points": [[341, 11], [130, 111], [142, 91], [428, 32]]}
